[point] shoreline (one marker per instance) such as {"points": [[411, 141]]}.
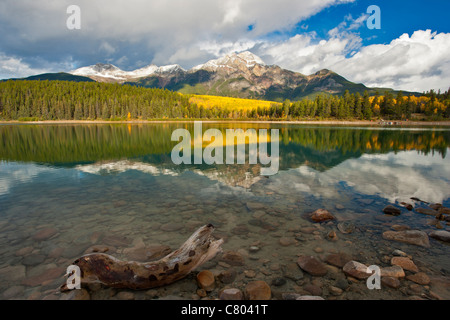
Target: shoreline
{"points": [[305, 122]]}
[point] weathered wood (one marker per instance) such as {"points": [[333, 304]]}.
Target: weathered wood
{"points": [[112, 272]]}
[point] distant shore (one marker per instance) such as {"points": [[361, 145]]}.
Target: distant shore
{"points": [[306, 122]]}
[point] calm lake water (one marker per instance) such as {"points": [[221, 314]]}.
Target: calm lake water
{"points": [[65, 189]]}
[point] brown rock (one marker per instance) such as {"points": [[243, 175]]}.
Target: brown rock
{"points": [[419, 278], [231, 294], [44, 234], [338, 259], [390, 209], [390, 282], [47, 275], [441, 235], [287, 241], [393, 271], [415, 237], [233, 258], [313, 289], [399, 227], [309, 298], [429, 212], [405, 263], [321, 215], [205, 280], [311, 265], [24, 251], [227, 276], [258, 290], [356, 270], [171, 226]]}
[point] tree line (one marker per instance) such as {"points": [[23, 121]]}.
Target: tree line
{"points": [[64, 100]]}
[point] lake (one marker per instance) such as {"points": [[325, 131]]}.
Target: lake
{"points": [[67, 190]]}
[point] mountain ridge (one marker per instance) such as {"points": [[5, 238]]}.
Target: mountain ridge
{"points": [[240, 75]]}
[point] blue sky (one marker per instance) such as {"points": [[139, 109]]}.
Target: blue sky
{"points": [[301, 35]]}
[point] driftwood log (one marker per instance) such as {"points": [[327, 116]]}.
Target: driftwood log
{"points": [[112, 272]]}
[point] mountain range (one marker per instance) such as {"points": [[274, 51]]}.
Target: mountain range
{"points": [[242, 75]]}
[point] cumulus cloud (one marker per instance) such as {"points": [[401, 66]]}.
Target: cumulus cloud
{"points": [[419, 62]]}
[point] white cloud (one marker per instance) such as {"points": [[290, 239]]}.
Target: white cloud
{"points": [[419, 62]]}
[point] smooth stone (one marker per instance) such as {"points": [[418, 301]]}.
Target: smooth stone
{"points": [[253, 249], [312, 266], [231, 294], [440, 235], [254, 206], [13, 273], [147, 253], [335, 291], [44, 234], [286, 241], [249, 273], [321, 215], [292, 271], [339, 206], [390, 209], [47, 275], [399, 227], [13, 292], [429, 212], [205, 280], [393, 271], [338, 259], [313, 289], [33, 260], [356, 270], [233, 258], [227, 276], [278, 282], [405, 263], [342, 283], [390, 282], [415, 237], [346, 227], [419, 278], [258, 290], [24, 251]]}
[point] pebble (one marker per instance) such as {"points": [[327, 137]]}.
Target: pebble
{"points": [[205, 280], [357, 270], [309, 298], [233, 258], [278, 282], [321, 215], [47, 275], [293, 272], [250, 273], [419, 278], [33, 260], [415, 237], [346, 227], [393, 271], [311, 265], [399, 253], [12, 292], [390, 282], [24, 251], [441, 235], [258, 290], [227, 276], [44, 234], [405, 263], [342, 283], [287, 241], [231, 294], [338, 259], [335, 291], [253, 249], [313, 289], [390, 209], [81, 294]]}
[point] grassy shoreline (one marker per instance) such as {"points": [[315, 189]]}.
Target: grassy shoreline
{"points": [[306, 122]]}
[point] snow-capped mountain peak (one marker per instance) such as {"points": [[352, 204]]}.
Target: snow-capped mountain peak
{"points": [[234, 60]]}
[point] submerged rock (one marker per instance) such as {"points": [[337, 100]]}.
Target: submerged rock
{"points": [[415, 237], [356, 270], [405, 263], [390, 209], [321, 215], [419, 278], [311, 265], [258, 290], [429, 212], [441, 235]]}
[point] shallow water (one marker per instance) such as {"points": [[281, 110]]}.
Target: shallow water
{"points": [[116, 186]]}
